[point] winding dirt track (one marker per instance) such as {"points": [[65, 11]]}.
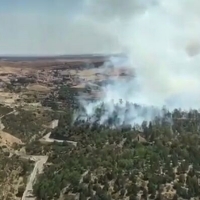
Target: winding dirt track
{"points": [[40, 161]]}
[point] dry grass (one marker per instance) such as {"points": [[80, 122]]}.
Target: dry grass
{"points": [[38, 88], [8, 139], [8, 98]]}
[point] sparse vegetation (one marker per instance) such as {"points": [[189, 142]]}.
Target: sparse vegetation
{"points": [[25, 85], [26, 124], [4, 110], [13, 173], [158, 161]]}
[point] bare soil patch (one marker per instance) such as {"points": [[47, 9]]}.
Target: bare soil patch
{"points": [[38, 88], [8, 139]]}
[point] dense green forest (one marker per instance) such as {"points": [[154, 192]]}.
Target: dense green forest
{"points": [[158, 161]]}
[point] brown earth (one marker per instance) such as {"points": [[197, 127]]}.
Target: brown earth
{"points": [[8, 139], [38, 87], [50, 63]]}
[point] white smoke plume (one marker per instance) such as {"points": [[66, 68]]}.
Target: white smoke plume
{"points": [[162, 39]]}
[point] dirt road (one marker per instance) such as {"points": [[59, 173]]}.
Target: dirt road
{"points": [[40, 161], [47, 139]]}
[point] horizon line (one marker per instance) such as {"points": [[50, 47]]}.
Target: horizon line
{"points": [[59, 55]]}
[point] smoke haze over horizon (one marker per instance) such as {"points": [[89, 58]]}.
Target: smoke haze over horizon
{"points": [[161, 38], [162, 41]]}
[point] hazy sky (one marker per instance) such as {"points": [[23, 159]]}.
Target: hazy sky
{"points": [[158, 34], [49, 27], [39, 7], [35, 27], [65, 26]]}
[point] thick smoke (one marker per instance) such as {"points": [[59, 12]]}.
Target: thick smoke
{"points": [[163, 46]]}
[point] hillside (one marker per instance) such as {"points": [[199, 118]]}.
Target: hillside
{"points": [[46, 155]]}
